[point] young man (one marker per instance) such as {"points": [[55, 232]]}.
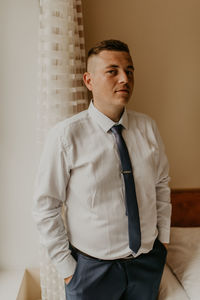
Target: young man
{"points": [[108, 165]]}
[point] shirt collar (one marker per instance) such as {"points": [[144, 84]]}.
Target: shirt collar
{"points": [[103, 121]]}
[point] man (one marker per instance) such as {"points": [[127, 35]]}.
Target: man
{"points": [[108, 166]]}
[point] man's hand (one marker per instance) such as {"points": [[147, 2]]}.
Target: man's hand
{"points": [[68, 279], [166, 245]]}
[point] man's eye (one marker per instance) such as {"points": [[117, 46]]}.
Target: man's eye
{"points": [[111, 71], [129, 73]]}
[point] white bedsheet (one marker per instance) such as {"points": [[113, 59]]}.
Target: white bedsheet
{"points": [[181, 278], [170, 288]]}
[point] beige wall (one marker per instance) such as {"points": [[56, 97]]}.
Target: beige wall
{"points": [[164, 38], [18, 161]]}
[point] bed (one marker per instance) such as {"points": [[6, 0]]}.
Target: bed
{"points": [[181, 277]]}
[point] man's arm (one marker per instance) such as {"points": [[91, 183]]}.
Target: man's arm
{"points": [[50, 194], [162, 191]]}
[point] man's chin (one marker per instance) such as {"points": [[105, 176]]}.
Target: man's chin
{"points": [[123, 100]]}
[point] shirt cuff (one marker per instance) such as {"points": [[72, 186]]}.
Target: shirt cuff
{"points": [[67, 268], [164, 235]]}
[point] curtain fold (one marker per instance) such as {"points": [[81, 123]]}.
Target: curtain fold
{"points": [[61, 93]]}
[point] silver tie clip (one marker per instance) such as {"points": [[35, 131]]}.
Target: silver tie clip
{"points": [[126, 172]]}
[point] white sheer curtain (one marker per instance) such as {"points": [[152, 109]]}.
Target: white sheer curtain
{"points": [[62, 62], [61, 92]]}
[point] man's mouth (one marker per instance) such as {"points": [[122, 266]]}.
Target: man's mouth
{"points": [[123, 91]]}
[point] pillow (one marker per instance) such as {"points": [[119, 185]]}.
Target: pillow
{"points": [[184, 258], [170, 287]]}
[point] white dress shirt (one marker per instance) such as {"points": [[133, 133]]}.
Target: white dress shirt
{"points": [[80, 167]]}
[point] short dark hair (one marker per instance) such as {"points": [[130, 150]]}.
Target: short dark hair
{"points": [[111, 45]]}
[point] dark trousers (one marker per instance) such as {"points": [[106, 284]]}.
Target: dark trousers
{"points": [[120, 279]]}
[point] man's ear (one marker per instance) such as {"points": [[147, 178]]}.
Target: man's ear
{"points": [[87, 80]]}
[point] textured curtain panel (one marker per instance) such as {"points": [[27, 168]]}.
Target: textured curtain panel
{"points": [[61, 92], [62, 63]]}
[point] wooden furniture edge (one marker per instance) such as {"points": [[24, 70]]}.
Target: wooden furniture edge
{"points": [[185, 207]]}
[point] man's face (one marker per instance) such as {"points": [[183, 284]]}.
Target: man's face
{"points": [[110, 78]]}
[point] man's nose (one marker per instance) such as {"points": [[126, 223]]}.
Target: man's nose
{"points": [[123, 77]]}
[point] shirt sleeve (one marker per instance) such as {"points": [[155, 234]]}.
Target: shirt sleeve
{"points": [[163, 200], [49, 197]]}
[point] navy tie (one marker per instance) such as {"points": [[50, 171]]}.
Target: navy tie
{"points": [[131, 199]]}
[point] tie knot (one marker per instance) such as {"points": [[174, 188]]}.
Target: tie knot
{"points": [[117, 129]]}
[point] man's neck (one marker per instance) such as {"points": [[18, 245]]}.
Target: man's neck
{"points": [[114, 115]]}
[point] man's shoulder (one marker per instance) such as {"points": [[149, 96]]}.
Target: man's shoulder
{"points": [[72, 121], [65, 128], [139, 117]]}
